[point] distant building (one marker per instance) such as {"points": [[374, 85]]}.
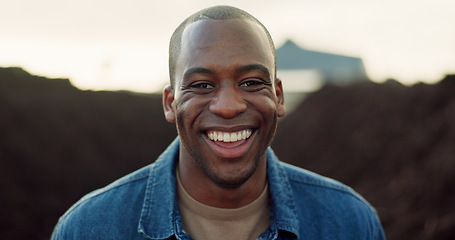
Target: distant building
{"points": [[303, 70], [329, 68]]}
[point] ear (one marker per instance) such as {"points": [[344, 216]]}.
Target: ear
{"points": [[168, 99], [281, 110]]}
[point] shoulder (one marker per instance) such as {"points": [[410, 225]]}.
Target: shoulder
{"points": [[116, 211], [304, 180], [96, 212], [134, 181], [330, 203]]}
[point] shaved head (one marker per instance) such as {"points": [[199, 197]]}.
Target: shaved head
{"points": [[215, 13]]}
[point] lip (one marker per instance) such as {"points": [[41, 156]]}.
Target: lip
{"points": [[230, 150]]}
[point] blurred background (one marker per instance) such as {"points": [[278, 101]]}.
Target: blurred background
{"points": [[369, 93]]}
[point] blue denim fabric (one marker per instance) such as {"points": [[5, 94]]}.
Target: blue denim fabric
{"points": [[143, 205]]}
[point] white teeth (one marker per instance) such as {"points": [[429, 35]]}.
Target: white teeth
{"points": [[226, 137], [210, 135], [220, 136], [233, 137], [229, 137]]}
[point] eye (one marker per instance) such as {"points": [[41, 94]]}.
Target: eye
{"points": [[202, 85], [253, 84], [250, 83]]}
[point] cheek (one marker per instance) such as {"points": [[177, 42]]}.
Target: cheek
{"points": [[187, 110], [267, 109], [265, 104]]}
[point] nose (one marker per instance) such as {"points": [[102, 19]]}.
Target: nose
{"points": [[228, 102]]}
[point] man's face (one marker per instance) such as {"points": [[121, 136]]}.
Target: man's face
{"points": [[226, 100]]}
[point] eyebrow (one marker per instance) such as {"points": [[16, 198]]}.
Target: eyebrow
{"points": [[239, 70], [252, 67], [196, 70]]}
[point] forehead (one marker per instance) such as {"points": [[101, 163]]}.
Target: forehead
{"points": [[224, 43]]}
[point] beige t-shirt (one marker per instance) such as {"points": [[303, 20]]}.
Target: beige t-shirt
{"points": [[201, 221]]}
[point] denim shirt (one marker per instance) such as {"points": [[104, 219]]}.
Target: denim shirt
{"points": [[143, 205]]}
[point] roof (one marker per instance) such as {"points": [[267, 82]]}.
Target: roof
{"points": [[334, 68]]}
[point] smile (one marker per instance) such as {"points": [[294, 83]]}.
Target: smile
{"points": [[229, 136]]}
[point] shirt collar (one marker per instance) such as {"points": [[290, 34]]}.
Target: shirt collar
{"points": [[159, 217], [283, 210]]}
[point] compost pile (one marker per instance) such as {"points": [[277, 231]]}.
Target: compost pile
{"points": [[391, 143]]}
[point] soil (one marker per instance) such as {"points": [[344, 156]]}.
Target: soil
{"points": [[392, 143]]}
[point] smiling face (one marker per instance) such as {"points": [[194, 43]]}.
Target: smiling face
{"points": [[226, 99]]}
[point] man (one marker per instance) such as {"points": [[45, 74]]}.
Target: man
{"points": [[219, 179]]}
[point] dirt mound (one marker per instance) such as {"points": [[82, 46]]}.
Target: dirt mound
{"points": [[58, 143], [393, 144]]}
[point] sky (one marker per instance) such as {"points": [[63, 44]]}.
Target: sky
{"points": [[123, 45]]}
